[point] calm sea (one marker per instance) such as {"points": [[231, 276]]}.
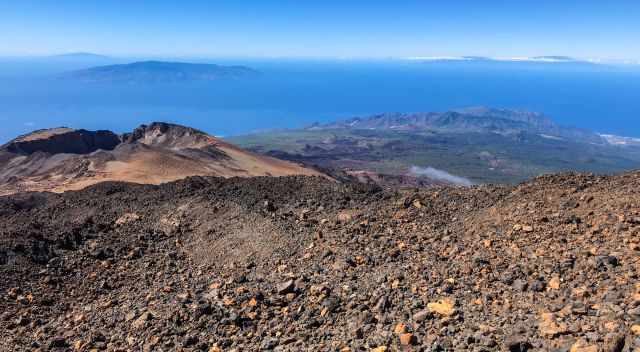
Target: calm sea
{"points": [[295, 93]]}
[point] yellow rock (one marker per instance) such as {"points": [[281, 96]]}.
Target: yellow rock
{"points": [[379, 349], [635, 329], [554, 283], [443, 307]]}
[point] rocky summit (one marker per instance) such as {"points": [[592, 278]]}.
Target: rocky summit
{"points": [[303, 263], [61, 159]]}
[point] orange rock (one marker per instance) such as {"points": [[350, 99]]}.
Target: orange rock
{"points": [[79, 318], [400, 328], [554, 283], [635, 329], [583, 346], [548, 325], [228, 301], [611, 326], [407, 339], [579, 292]]}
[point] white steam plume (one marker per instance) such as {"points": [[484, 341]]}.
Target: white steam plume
{"points": [[440, 175]]}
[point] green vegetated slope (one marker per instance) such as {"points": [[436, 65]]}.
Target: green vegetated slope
{"points": [[483, 157]]}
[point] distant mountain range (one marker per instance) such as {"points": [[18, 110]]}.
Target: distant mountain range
{"points": [[469, 120], [471, 145], [80, 56], [159, 72]]}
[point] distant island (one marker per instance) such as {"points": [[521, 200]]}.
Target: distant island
{"points": [[159, 72], [80, 56], [550, 59]]}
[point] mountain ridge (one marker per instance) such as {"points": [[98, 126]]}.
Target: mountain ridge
{"points": [[63, 159], [473, 119]]}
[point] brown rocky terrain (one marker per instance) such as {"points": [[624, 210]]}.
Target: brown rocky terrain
{"points": [[63, 159], [307, 264]]}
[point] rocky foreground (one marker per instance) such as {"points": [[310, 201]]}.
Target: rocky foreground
{"points": [[306, 264]]}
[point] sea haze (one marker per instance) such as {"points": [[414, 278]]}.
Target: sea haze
{"points": [[291, 93]]}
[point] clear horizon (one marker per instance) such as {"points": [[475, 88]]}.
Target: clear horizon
{"points": [[328, 29], [337, 58]]}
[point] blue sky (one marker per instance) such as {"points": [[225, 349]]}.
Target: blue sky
{"points": [[262, 28]]}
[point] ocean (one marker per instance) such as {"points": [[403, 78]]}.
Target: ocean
{"points": [[295, 93]]}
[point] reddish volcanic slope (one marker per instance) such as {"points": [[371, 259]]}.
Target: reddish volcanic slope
{"points": [[63, 159]]}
